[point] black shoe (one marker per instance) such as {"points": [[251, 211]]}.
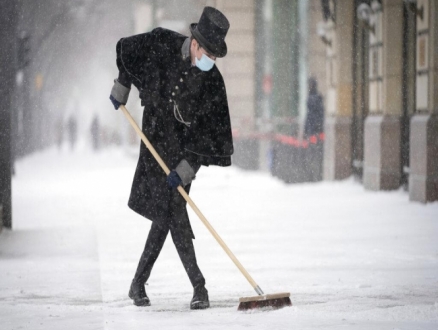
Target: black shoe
{"points": [[200, 298], [137, 292]]}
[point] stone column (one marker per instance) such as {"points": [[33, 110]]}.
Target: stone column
{"points": [[337, 147], [238, 71], [423, 178], [382, 169]]}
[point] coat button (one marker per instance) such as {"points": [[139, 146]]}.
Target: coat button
{"points": [[176, 87], [181, 80]]}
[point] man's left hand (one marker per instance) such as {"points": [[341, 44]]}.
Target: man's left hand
{"points": [[173, 179]]}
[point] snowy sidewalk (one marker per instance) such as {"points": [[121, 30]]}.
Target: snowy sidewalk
{"points": [[352, 259], [42, 271]]}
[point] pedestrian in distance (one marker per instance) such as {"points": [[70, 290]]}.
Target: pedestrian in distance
{"points": [[313, 131], [59, 130], [186, 118], [95, 133], [72, 127]]}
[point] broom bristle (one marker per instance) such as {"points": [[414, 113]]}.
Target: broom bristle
{"points": [[275, 301]]}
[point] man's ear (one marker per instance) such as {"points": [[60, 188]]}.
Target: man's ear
{"points": [[195, 44]]}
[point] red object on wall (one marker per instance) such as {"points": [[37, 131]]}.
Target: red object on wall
{"points": [[267, 84]]}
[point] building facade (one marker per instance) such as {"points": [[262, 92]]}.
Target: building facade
{"points": [[377, 67], [391, 121]]}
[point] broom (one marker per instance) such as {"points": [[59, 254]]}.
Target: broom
{"points": [[277, 300]]}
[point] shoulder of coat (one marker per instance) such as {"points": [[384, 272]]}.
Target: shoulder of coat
{"points": [[165, 35], [166, 41]]}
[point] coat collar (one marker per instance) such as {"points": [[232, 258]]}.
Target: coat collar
{"points": [[185, 49]]}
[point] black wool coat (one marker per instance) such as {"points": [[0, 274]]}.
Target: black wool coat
{"points": [[185, 116]]}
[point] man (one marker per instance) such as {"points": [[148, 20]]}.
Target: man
{"points": [[313, 129], [186, 118]]}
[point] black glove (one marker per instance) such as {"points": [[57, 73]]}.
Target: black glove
{"points": [[173, 179], [116, 103]]}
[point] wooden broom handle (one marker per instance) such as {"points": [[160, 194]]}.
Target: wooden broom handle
{"points": [[190, 202]]}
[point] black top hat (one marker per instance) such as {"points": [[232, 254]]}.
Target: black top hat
{"points": [[211, 30]]}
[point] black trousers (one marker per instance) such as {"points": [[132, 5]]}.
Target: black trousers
{"points": [[182, 238]]}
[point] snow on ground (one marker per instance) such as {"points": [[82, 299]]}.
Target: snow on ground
{"points": [[351, 259]]}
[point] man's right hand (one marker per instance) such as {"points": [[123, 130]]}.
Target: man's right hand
{"points": [[173, 179], [119, 94]]}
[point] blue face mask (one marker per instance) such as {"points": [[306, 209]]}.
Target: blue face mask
{"points": [[205, 63]]}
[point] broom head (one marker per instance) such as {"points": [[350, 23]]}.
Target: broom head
{"points": [[276, 300]]}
